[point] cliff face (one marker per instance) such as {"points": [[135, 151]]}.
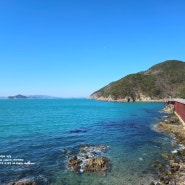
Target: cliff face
{"points": [[164, 80]]}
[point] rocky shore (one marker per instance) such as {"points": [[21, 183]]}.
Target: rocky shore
{"points": [[174, 173], [126, 99]]}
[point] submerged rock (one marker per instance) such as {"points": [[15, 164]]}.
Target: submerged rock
{"points": [[39, 180], [165, 156], [94, 149], [25, 181]]}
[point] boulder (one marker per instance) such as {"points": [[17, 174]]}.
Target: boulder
{"points": [[99, 164], [74, 163], [152, 183], [174, 167]]}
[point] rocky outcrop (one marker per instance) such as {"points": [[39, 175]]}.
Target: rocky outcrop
{"points": [[169, 108], [90, 159], [99, 164], [141, 98]]}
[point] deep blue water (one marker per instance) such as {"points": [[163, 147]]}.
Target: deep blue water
{"points": [[47, 132]]}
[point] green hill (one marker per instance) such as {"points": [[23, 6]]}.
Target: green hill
{"points": [[164, 80]]}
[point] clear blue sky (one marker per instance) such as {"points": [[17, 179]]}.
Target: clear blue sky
{"points": [[71, 48]]}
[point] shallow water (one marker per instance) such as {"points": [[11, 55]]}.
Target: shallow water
{"points": [[48, 132]]}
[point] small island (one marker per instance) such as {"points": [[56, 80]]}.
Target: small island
{"points": [[19, 96]]}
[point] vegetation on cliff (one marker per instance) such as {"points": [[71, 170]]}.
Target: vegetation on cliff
{"points": [[164, 80]]}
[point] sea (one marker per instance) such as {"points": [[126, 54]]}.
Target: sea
{"points": [[38, 136]]}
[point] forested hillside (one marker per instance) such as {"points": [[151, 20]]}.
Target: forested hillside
{"points": [[164, 80]]}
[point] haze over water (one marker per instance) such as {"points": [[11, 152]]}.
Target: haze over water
{"points": [[47, 132]]}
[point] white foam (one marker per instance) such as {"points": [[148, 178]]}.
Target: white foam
{"points": [[180, 147], [174, 151]]}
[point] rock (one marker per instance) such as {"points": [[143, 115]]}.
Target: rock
{"points": [[85, 149], [74, 163], [100, 164], [152, 183], [86, 157], [93, 153], [93, 149], [73, 158], [176, 159], [165, 156], [90, 159], [166, 180], [25, 181], [162, 179], [102, 147], [174, 167], [31, 181]]}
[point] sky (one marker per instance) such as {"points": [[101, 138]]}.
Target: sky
{"points": [[71, 48]]}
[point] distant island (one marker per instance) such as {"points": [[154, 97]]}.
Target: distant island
{"points": [[20, 96], [164, 80]]}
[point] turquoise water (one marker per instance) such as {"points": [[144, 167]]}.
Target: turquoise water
{"points": [[47, 132]]}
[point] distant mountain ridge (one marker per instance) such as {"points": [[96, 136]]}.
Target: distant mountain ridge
{"points": [[163, 80]]}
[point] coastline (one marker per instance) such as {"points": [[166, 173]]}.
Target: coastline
{"points": [[174, 174], [143, 100]]}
